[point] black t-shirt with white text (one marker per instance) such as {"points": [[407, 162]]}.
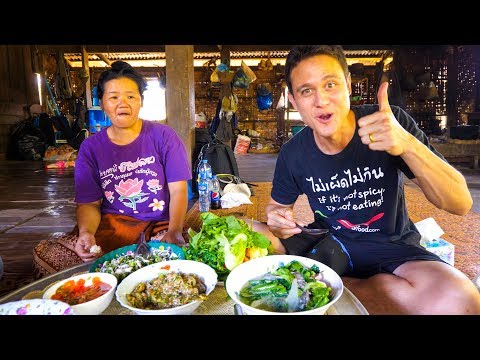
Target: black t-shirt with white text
{"points": [[357, 193]]}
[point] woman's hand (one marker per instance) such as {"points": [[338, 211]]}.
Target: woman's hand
{"points": [[82, 247], [173, 237]]}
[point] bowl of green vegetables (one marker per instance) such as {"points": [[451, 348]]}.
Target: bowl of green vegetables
{"points": [[284, 284]]}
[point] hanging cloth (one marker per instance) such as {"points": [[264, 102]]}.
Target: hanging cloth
{"points": [[63, 78], [224, 131], [216, 120]]}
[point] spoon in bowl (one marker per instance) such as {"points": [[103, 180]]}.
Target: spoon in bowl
{"points": [[142, 247]]}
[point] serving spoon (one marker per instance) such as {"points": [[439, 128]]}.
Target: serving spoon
{"points": [[142, 247]]}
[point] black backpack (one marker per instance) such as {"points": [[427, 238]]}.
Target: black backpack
{"points": [[26, 142], [220, 157]]}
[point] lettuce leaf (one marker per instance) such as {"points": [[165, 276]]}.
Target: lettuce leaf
{"points": [[222, 242]]}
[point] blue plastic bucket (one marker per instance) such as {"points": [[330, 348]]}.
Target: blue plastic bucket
{"points": [[97, 119]]}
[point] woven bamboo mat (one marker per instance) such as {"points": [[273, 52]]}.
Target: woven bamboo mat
{"points": [[461, 231], [256, 211]]}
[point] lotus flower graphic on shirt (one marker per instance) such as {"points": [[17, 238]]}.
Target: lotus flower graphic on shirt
{"points": [[131, 190], [109, 196], [157, 205], [154, 185]]}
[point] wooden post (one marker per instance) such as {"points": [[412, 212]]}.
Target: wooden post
{"points": [[225, 89], [86, 69], [180, 93]]}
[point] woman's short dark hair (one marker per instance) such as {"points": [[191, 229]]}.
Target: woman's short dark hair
{"points": [[302, 52], [120, 69]]}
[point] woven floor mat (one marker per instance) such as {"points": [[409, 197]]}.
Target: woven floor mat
{"points": [[461, 231]]}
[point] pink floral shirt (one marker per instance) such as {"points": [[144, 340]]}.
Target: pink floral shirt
{"points": [[132, 179]]}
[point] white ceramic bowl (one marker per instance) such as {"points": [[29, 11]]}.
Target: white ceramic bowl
{"points": [[259, 266], [150, 272], [92, 307], [36, 307]]}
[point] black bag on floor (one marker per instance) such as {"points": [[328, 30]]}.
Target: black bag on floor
{"points": [[26, 142], [220, 157]]}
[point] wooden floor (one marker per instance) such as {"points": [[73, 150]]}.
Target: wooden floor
{"points": [[36, 203]]}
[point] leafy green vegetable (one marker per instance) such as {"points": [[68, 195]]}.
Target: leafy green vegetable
{"points": [[223, 243], [235, 251]]}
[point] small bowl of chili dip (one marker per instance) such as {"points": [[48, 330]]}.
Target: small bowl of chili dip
{"points": [[87, 294]]}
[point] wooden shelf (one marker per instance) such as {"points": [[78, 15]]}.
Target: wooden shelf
{"points": [[254, 121]]}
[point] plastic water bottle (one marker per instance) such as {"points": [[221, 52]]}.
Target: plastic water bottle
{"points": [[214, 193], [204, 177], [203, 193], [206, 169], [202, 169]]}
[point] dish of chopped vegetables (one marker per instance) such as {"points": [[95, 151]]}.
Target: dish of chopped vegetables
{"points": [[124, 264]]}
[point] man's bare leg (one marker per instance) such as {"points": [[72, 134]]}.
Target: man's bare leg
{"points": [[417, 287]]}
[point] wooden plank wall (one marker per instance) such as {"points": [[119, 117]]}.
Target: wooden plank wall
{"points": [[17, 89]]}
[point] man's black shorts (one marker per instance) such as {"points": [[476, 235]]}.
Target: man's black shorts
{"points": [[359, 259]]}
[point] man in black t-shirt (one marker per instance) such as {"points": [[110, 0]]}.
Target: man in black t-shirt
{"points": [[351, 162]]}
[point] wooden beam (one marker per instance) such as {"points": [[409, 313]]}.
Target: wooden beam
{"points": [[104, 59]]}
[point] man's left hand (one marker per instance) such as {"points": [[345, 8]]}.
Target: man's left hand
{"points": [[381, 130]]}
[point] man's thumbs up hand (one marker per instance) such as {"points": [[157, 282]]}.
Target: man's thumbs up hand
{"points": [[382, 97], [381, 130]]}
